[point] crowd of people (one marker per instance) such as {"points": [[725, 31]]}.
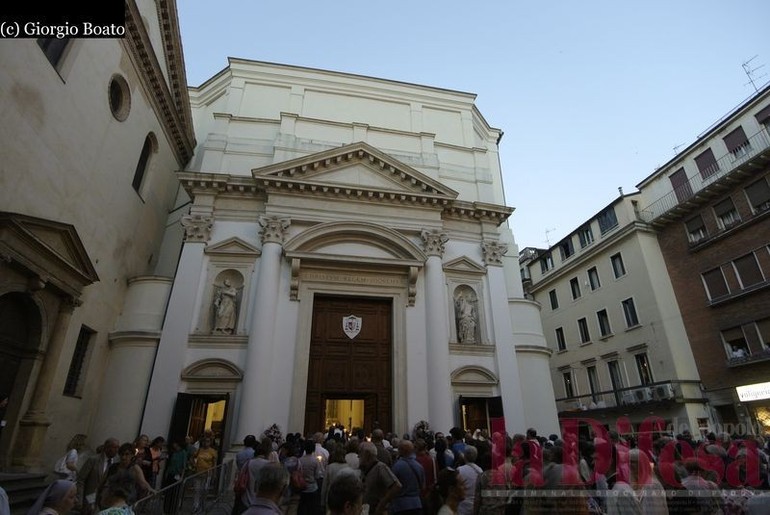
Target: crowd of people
{"points": [[428, 473], [112, 479], [463, 473]]}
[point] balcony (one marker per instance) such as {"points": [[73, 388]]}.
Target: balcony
{"points": [[670, 391], [757, 357], [695, 191]]}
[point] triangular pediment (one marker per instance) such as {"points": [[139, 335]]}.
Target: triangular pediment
{"points": [[464, 265], [233, 247], [53, 248], [358, 170]]}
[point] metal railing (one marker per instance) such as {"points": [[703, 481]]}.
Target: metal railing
{"points": [[756, 145], [629, 396], [204, 492]]}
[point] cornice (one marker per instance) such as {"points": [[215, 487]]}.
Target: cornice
{"points": [[196, 183], [174, 52], [588, 253], [150, 73], [477, 211]]}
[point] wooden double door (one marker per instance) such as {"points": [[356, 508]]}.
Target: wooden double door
{"points": [[350, 366]]}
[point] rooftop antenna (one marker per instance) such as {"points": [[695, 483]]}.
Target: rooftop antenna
{"points": [[677, 147], [749, 71], [547, 239]]}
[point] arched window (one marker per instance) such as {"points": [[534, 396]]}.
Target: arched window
{"points": [[150, 146]]}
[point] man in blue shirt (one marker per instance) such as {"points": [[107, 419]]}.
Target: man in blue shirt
{"points": [[412, 478]]}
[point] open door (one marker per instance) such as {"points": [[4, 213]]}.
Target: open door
{"points": [[194, 413], [482, 413]]}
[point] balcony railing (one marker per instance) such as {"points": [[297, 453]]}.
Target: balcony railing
{"points": [[756, 357], [756, 145], [631, 396]]}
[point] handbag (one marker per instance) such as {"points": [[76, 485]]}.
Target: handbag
{"points": [[242, 481], [297, 479]]}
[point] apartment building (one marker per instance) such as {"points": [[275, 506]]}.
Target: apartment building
{"points": [[710, 206], [611, 319]]}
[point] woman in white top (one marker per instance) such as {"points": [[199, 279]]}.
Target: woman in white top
{"points": [[67, 466]]}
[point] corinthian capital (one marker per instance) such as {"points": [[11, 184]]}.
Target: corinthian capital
{"points": [[433, 242], [197, 227], [493, 252], [274, 228]]}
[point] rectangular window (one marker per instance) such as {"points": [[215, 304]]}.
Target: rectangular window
{"points": [[716, 286], [567, 249], [593, 278], [735, 343], [73, 386], [707, 165], [726, 214], [546, 262], [629, 311], [569, 391], [141, 166], [561, 343], [759, 195], [607, 220], [681, 185], [763, 328], [554, 299], [748, 271], [574, 285], [593, 382], [53, 48], [643, 366], [618, 268], [604, 322], [585, 336], [696, 229], [585, 236], [763, 116], [737, 143], [615, 376]]}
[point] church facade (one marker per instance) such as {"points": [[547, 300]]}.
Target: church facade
{"points": [[346, 259]]}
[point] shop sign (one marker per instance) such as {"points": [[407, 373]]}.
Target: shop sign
{"points": [[753, 392]]}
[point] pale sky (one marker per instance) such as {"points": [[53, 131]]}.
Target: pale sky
{"points": [[592, 95]]}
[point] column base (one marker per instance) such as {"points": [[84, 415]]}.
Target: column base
{"points": [[29, 442]]}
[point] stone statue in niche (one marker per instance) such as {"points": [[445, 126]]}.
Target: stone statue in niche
{"points": [[225, 308], [466, 319]]}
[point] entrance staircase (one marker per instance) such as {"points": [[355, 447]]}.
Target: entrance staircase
{"points": [[22, 489]]}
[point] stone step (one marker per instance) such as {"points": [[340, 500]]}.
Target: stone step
{"points": [[23, 489]]}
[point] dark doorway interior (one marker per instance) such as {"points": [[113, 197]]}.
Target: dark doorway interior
{"points": [[482, 413]]}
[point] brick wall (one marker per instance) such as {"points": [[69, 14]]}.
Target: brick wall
{"points": [[702, 320]]}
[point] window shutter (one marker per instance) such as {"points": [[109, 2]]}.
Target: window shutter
{"points": [[715, 282], [763, 116], [748, 270], [707, 164], [758, 192], [735, 139]]}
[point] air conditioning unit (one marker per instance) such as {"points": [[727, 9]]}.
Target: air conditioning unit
{"points": [[643, 394], [663, 391], [628, 398]]}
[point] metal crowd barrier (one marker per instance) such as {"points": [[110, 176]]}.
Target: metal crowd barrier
{"points": [[205, 492]]}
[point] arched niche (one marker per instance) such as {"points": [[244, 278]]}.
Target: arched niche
{"points": [[466, 315], [226, 302]]}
